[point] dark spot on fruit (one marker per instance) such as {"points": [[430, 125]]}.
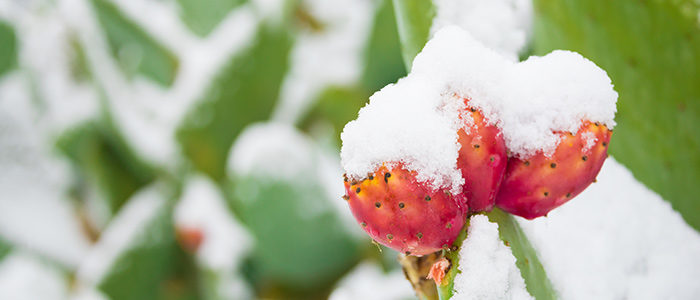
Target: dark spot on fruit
{"points": [[419, 235], [427, 198], [596, 124], [363, 224], [595, 180], [568, 195], [371, 177], [507, 243], [386, 177], [346, 198], [357, 190], [377, 204], [448, 226], [476, 146], [390, 236], [401, 205], [546, 194], [553, 165], [527, 163], [473, 109], [492, 158], [354, 182], [605, 144], [408, 252], [345, 177], [584, 158]]}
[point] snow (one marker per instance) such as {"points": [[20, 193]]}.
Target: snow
{"points": [[617, 240], [273, 150], [64, 102], [280, 152], [367, 281], [203, 207], [487, 266], [415, 120], [147, 113], [24, 277], [123, 231], [405, 123], [332, 55], [502, 25], [528, 101], [35, 212]]}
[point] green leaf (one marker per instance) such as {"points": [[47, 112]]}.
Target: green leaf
{"points": [[245, 91], [104, 159], [8, 50], [335, 106], [446, 291], [302, 247], [651, 51], [383, 54], [5, 248], [141, 269], [136, 50], [414, 18], [531, 269], [202, 16]]}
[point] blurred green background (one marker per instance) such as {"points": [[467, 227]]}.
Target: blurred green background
{"points": [[188, 149]]}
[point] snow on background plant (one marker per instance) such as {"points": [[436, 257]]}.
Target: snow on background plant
{"points": [[190, 149]]}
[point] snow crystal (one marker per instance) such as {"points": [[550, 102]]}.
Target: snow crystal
{"points": [[203, 207], [124, 229], [617, 240], [415, 120], [23, 277], [589, 139], [368, 281], [502, 25], [487, 266]]}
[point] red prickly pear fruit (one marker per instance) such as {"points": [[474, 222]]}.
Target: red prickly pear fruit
{"points": [[189, 238], [482, 160], [401, 213], [534, 186]]}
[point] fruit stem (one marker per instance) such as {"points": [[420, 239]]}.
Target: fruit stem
{"points": [[416, 269]]}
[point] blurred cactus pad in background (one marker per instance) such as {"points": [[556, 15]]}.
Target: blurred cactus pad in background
{"points": [[189, 149]]}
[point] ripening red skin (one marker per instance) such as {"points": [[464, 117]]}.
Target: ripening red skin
{"points": [[482, 160], [533, 187], [396, 212]]}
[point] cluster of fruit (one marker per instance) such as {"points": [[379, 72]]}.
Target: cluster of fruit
{"points": [[410, 216]]}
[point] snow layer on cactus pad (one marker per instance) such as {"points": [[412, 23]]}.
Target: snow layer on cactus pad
{"points": [[26, 277], [620, 240], [415, 120], [367, 281], [487, 266]]}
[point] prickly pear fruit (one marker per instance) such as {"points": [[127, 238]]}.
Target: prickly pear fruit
{"points": [[403, 214], [482, 160], [189, 238], [534, 186]]}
